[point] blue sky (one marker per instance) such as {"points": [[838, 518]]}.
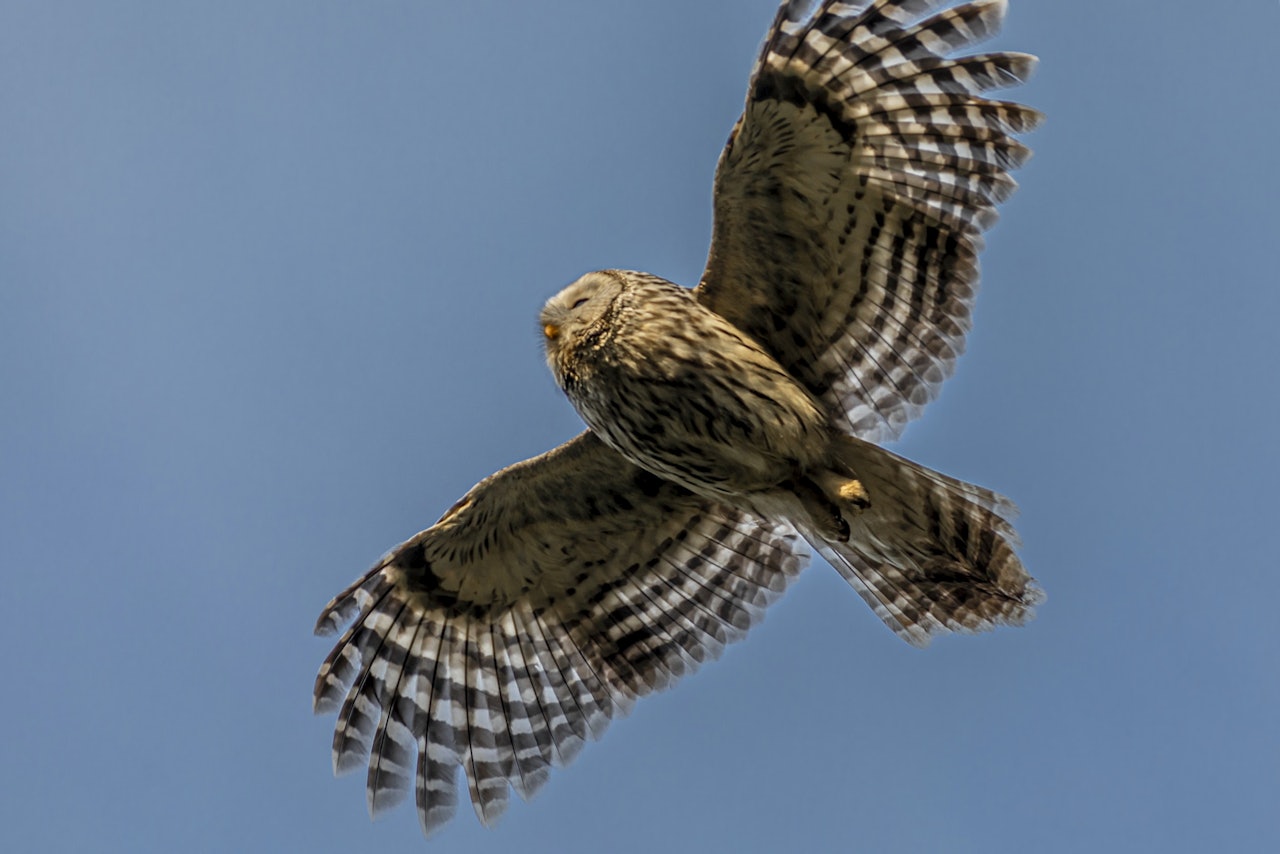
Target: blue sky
{"points": [[269, 281]]}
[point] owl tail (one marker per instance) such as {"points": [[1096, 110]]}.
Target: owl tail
{"points": [[930, 553]]}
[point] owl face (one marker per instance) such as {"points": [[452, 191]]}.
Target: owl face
{"points": [[569, 313]]}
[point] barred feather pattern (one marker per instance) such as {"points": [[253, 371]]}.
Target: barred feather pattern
{"points": [[932, 554], [498, 642], [852, 194]]}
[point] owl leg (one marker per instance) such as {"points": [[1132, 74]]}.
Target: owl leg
{"points": [[843, 489], [825, 513]]}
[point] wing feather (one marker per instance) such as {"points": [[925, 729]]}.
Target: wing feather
{"points": [[852, 195], [542, 605]]}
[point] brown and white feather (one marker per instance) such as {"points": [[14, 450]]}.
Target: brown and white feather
{"points": [[851, 197], [552, 596]]}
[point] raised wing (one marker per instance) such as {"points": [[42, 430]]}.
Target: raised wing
{"points": [[851, 197], [543, 604]]}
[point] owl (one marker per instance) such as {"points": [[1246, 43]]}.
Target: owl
{"points": [[731, 427]]}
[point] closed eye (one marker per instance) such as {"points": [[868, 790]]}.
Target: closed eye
{"points": [[578, 303]]}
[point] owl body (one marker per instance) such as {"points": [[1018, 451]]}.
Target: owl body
{"points": [[678, 390], [729, 425]]}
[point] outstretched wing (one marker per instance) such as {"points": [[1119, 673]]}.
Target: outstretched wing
{"points": [[851, 197], [543, 604]]}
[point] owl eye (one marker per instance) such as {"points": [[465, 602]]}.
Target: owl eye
{"points": [[578, 303]]}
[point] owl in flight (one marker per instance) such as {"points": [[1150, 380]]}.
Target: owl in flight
{"points": [[728, 426]]}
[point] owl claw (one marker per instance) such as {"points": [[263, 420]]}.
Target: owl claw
{"points": [[841, 530], [828, 511]]}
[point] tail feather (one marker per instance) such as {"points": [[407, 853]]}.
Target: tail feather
{"points": [[932, 554]]}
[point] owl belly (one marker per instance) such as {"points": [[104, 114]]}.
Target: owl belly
{"points": [[708, 416]]}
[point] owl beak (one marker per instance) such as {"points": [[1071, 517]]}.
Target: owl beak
{"points": [[551, 331]]}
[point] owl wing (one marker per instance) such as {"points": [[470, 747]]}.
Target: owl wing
{"points": [[547, 600], [852, 194]]}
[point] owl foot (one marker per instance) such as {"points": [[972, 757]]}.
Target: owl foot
{"points": [[823, 512], [843, 489], [852, 492]]}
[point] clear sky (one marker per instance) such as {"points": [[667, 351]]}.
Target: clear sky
{"points": [[269, 281]]}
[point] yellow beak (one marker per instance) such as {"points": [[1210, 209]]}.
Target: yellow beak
{"points": [[551, 330]]}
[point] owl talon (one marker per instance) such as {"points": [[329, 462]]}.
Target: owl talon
{"points": [[826, 514]]}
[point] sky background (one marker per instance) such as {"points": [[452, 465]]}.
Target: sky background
{"points": [[269, 281]]}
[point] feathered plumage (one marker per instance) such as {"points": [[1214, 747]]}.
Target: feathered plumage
{"points": [[728, 423]]}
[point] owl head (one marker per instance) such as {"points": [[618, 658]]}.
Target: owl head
{"points": [[578, 308]]}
